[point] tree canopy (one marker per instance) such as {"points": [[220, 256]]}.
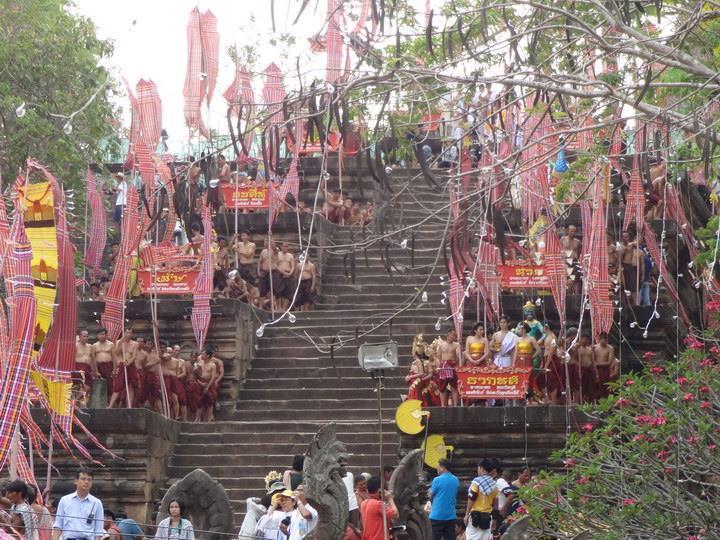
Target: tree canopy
{"points": [[54, 94]]}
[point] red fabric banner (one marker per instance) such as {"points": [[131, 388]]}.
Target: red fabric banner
{"points": [[493, 383], [523, 276], [245, 196], [176, 281], [98, 226]]}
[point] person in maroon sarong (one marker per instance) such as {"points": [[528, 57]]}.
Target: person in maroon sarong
{"points": [[208, 379], [193, 394], [151, 388], [606, 364], [124, 354], [85, 363], [102, 357], [588, 371]]}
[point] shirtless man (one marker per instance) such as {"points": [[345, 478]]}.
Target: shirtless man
{"points": [[333, 207], [286, 269], [449, 350], [588, 370], [102, 357], [169, 374], [85, 362], [477, 348], [124, 354], [503, 344], [267, 270], [180, 369], [308, 284], [631, 260], [152, 391], [245, 252], [207, 375], [224, 172], [607, 366], [571, 244]]}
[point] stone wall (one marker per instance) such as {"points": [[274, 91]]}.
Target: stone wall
{"points": [[142, 442]]}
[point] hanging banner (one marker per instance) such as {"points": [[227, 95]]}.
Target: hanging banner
{"points": [[38, 203], [523, 276], [57, 393], [175, 281], [493, 383], [245, 197]]}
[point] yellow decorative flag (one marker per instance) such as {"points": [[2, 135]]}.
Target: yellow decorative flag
{"points": [[57, 393], [38, 205]]}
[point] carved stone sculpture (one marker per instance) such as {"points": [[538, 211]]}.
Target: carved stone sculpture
{"points": [[207, 505], [323, 471], [406, 484]]}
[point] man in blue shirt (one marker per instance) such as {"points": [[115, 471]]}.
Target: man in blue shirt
{"points": [[443, 494], [129, 529], [80, 516]]}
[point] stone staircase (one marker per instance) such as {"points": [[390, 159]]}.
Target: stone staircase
{"points": [[306, 374]]}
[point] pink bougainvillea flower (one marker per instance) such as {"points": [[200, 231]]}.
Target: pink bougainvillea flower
{"points": [[715, 349], [660, 420], [689, 396], [569, 463], [643, 419], [672, 440], [693, 439], [704, 389], [662, 455], [628, 502], [706, 362], [668, 470], [639, 438], [705, 405], [657, 370], [649, 355], [583, 480], [587, 427], [712, 446], [622, 402], [682, 380], [629, 382], [693, 343]]}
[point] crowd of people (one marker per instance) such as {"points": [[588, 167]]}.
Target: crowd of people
{"points": [[239, 272], [134, 372], [570, 369], [25, 515]]}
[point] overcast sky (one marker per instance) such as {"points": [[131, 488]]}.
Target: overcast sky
{"points": [[150, 42]]}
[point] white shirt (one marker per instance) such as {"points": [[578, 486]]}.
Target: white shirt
{"points": [[501, 484], [349, 480], [80, 518], [269, 525], [301, 527], [121, 193]]}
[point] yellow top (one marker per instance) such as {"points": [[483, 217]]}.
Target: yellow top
{"points": [[524, 347], [483, 503], [477, 347]]}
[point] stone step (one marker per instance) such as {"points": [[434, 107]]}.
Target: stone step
{"points": [[191, 443], [263, 371], [321, 396], [274, 425], [320, 415], [323, 383], [265, 457]]}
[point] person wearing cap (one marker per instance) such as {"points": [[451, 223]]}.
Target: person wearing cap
{"points": [[121, 196], [282, 505]]}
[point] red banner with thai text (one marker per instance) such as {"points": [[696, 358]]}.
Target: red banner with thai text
{"points": [[176, 281], [244, 197], [493, 383], [523, 276]]}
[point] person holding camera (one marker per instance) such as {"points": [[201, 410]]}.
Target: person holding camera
{"points": [[80, 516]]}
